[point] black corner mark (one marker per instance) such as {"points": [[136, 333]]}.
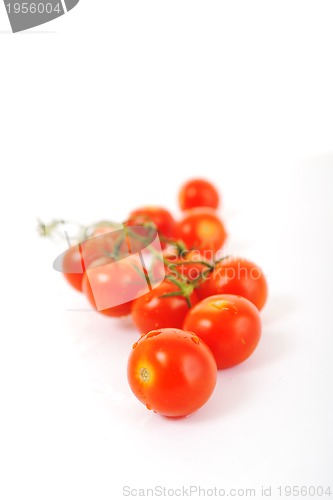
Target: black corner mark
{"points": [[28, 14]]}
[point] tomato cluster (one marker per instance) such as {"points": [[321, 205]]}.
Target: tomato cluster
{"points": [[196, 312]]}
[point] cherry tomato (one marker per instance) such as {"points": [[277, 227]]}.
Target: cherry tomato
{"points": [[201, 229], [154, 310], [112, 286], [172, 372], [105, 242], [72, 261], [236, 276], [161, 217], [230, 325], [79, 257], [198, 193]]}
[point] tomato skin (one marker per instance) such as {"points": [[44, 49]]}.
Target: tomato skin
{"points": [[73, 260], [162, 218], [114, 282], [238, 277], [106, 243], [81, 256], [201, 228], [230, 325], [102, 230], [198, 193], [151, 311], [172, 372]]}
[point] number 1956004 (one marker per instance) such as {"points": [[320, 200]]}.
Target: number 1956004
{"points": [[33, 8]]}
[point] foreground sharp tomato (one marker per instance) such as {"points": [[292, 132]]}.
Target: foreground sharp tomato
{"points": [[230, 326], [111, 287], [201, 229], [172, 372], [198, 193], [162, 218], [238, 277], [153, 310]]}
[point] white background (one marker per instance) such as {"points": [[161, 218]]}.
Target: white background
{"points": [[113, 106]]}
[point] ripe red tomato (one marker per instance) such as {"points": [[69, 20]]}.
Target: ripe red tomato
{"points": [[72, 262], [198, 193], [230, 325], [162, 218], [81, 256], [238, 277], [105, 243], [172, 372], [202, 229], [112, 286], [152, 310]]}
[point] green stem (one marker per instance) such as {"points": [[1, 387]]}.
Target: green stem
{"points": [[185, 289], [220, 260], [56, 227]]}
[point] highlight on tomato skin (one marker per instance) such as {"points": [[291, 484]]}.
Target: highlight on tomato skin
{"points": [[202, 229], [198, 193], [171, 371], [236, 276], [229, 324]]}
